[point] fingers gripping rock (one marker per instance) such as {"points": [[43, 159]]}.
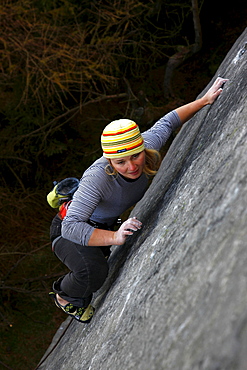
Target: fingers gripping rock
{"points": [[127, 228], [215, 90]]}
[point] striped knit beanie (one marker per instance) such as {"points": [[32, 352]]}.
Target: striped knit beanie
{"points": [[121, 138]]}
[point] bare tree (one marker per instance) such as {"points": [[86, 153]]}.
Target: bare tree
{"points": [[184, 52]]}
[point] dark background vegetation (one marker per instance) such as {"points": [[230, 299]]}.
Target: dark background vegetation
{"points": [[67, 69]]}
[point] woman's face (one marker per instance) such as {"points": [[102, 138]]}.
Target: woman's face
{"points": [[131, 166]]}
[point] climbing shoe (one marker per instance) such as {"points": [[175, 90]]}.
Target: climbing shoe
{"points": [[81, 314]]}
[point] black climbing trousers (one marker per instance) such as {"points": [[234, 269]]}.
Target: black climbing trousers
{"points": [[88, 268]]}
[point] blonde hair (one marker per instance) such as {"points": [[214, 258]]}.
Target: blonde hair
{"points": [[152, 163], [153, 160]]}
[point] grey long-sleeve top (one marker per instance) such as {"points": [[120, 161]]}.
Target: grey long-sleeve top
{"points": [[101, 197]]}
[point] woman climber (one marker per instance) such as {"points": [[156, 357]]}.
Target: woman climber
{"points": [[110, 186]]}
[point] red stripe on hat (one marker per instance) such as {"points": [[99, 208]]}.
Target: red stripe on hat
{"points": [[120, 132], [126, 149]]}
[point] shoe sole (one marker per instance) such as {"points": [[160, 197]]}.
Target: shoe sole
{"points": [[85, 318]]}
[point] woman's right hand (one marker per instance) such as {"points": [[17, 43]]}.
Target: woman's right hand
{"points": [[127, 228]]}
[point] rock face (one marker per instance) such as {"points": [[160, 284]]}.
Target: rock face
{"points": [[176, 296]]}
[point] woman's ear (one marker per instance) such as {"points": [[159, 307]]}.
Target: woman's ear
{"points": [[110, 170], [109, 162]]}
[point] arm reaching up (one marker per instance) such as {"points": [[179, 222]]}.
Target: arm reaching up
{"points": [[187, 111]]}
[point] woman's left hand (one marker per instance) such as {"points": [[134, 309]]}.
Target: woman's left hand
{"points": [[187, 111], [215, 90]]}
